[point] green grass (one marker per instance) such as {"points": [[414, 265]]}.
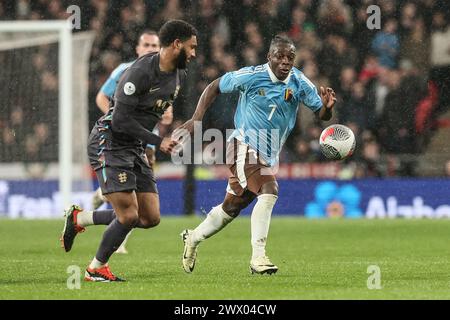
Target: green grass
{"points": [[320, 259]]}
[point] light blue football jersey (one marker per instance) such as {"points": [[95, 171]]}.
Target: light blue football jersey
{"points": [[110, 85], [267, 107]]}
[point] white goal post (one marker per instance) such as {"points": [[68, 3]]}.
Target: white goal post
{"points": [[56, 31]]}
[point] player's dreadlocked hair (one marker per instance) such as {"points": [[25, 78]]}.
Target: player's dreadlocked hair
{"points": [[175, 29], [280, 40]]}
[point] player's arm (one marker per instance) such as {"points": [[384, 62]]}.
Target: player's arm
{"points": [[102, 102], [229, 82], [320, 102], [106, 92], [123, 122], [328, 98], [206, 99]]}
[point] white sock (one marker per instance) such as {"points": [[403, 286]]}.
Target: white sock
{"points": [[215, 221], [95, 264], [85, 218], [260, 222]]}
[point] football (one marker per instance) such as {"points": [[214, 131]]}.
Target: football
{"points": [[337, 142]]}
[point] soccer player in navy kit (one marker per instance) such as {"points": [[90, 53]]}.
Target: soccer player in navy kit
{"points": [[148, 43], [266, 114], [117, 141]]}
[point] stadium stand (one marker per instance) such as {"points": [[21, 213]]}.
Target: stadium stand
{"points": [[392, 84]]}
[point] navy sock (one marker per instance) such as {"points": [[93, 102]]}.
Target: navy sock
{"points": [[112, 239], [103, 217]]}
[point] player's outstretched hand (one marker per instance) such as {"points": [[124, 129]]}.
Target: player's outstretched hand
{"points": [[188, 126], [167, 145], [183, 132], [328, 97]]}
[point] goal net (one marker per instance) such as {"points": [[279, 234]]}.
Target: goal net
{"points": [[43, 118]]}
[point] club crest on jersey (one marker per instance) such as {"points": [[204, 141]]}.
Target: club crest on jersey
{"points": [[122, 177], [129, 88], [288, 94], [261, 92]]}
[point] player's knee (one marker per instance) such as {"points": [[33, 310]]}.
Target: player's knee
{"points": [[149, 222], [129, 215], [233, 205], [270, 188], [231, 208], [129, 218]]}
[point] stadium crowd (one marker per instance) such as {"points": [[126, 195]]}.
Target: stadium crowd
{"points": [[392, 83]]}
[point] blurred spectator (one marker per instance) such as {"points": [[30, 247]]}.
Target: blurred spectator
{"points": [[440, 58], [361, 114], [386, 44], [371, 157], [408, 19], [334, 16], [250, 56], [396, 130], [335, 54], [416, 47], [369, 70], [297, 24], [388, 8], [172, 10]]}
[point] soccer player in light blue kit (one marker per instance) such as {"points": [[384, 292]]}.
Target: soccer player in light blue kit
{"points": [[266, 114]]}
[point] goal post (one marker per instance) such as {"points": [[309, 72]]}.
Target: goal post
{"points": [[17, 35]]}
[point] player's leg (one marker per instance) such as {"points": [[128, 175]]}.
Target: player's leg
{"points": [[76, 221], [98, 199], [149, 215], [260, 222], [148, 204], [71, 227], [260, 180], [146, 193], [123, 246], [219, 217], [147, 197], [84, 218], [126, 208], [87, 218], [237, 198], [118, 184]]}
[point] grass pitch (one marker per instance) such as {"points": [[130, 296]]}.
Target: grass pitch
{"points": [[320, 259]]}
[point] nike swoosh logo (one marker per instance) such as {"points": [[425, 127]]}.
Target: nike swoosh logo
{"points": [[153, 89]]}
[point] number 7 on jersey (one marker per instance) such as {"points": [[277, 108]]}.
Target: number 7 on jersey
{"points": [[273, 106]]}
